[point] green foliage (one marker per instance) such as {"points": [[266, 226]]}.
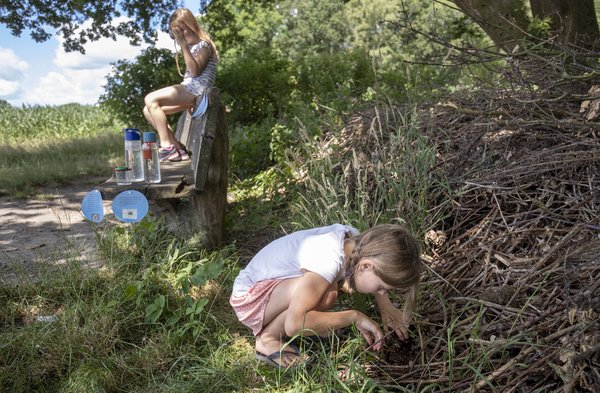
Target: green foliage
{"points": [[130, 82], [313, 27], [241, 27], [255, 86], [334, 80], [169, 282], [540, 28], [249, 149], [279, 60], [67, 17], [152, 304]]}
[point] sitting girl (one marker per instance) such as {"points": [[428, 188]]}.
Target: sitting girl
{"points": [[290, 285], [201, 56]]}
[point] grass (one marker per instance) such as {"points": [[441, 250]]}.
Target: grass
{"points": [[339, 184], [155, 316], [52, 145]]}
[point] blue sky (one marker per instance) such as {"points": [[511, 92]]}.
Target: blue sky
{"points": [[44, 74]]}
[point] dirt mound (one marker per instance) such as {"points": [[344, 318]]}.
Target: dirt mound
{"points": [[511, 299]]}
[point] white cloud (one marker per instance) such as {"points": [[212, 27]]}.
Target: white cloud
{"points": [[75, 77], [164, 41], [12, 66], [79, 77], [8, 88], [12, 73], [67, 86], [97, 53]]}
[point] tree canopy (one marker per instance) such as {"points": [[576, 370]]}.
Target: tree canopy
{"points": [[79, 21], [135, 19]]}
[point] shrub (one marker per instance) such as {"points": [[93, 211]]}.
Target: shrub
{"points": [[129, 83]]}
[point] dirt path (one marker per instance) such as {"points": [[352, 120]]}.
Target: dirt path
{"points": [[43, 232]]}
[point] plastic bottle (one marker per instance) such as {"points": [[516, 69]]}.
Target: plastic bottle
{"points": [[151, 161], [133, 154]]}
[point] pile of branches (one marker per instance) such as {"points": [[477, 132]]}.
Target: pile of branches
{"points": [[511, 300]]}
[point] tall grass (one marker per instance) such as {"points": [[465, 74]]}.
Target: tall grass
{"points": [[384, 176], [42, 144]]}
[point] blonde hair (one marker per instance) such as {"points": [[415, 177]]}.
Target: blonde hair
{"points": [[395, 255], [183, 16]]}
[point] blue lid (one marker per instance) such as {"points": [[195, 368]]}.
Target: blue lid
{"points": [[92, 208], [132, 134], [150, 136], [130, 206]]}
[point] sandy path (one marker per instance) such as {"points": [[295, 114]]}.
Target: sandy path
{"points": [[44, 232]]}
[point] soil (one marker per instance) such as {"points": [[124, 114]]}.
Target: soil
{"points": [[45, 232]]}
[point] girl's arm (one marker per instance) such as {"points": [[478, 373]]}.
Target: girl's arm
{"points": [[196, 63], [301, 314], [394, 319]]}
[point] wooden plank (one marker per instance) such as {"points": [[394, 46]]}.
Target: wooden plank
{"points": [[176, 182], [202, 132], [183, 128]]}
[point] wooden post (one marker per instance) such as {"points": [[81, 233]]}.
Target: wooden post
{"points": [[203, 213]]}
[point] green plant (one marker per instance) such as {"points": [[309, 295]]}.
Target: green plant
{"points": [[383, 177], [131, 81]]}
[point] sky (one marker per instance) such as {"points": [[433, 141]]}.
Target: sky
{"points": [[33, 73]]}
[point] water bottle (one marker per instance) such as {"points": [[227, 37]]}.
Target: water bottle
{"points": [[151, 161], [133, 154]]}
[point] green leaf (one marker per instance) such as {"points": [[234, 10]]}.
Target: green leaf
{"points": [[130, 291], [155, 310]]}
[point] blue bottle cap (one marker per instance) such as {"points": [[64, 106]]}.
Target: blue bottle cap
{"points": [[150, 136], [132, 134]]}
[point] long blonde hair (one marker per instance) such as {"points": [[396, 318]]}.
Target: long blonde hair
{"points": [[395, 255], [183, 16]]}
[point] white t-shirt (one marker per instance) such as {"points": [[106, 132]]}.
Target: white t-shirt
{"points": [[319, 250]]}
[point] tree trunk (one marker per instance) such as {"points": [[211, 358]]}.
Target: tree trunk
{"points": [[573, 21], [504, 21]]}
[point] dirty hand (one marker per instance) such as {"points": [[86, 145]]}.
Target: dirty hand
{"points": [[370, 330], [393, 320]]}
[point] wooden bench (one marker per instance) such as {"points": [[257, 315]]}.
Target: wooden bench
{"points": [[192, 195]]}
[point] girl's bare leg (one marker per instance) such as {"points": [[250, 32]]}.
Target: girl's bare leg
{"points": [[163, 102], [151, 121], [272, 336]]}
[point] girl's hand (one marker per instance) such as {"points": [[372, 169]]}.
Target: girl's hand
{"points": [[371, 331], [393, 320], [178, 35]]}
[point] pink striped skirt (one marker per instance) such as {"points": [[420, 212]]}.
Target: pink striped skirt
{"points": [[250, 308]]}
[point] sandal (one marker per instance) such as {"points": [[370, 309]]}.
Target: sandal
{"points": [[274, 359], [169, 154]]}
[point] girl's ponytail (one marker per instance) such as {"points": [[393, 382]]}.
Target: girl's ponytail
{"points": [[410, 303]]}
